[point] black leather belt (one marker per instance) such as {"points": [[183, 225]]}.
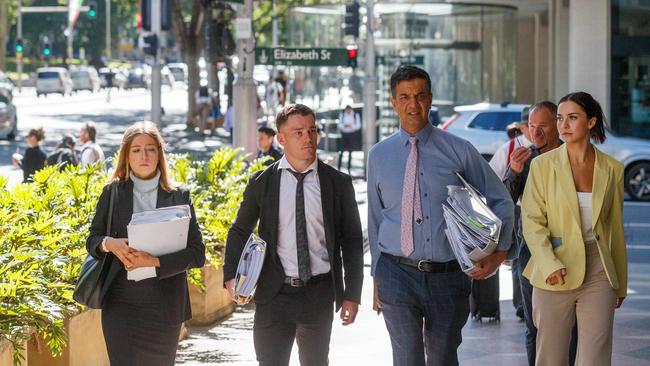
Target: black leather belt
{"points": [[297, 282], [426, 266]]}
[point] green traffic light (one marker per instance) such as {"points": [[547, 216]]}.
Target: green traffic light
{"points": [[46, 51], [19, 48], [92, 13]]}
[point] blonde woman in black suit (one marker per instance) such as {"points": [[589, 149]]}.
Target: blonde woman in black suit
{"points": [[141, 320]]}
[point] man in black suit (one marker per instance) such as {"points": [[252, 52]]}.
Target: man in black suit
{"points": [[308, 217], [265, 145]]}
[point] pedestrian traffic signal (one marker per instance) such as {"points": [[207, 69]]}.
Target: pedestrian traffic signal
{"points": [[352, 56], [150, 45], [92, 11], [352, 19], [19, 46], [47, 49]]}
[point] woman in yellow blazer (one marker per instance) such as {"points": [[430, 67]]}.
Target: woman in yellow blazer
{"points": [[573, 224]]}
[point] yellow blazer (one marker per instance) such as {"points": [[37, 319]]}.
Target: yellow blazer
{"points": [[551, 221]]}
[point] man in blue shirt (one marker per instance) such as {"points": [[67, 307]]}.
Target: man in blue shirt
{"points": [[419, 286]]}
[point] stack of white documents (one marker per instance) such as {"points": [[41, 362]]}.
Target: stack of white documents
{"points": [[249, 268], [472, 228], [158, 232]]}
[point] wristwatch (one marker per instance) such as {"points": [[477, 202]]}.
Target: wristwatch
{"points": [[103, 245]]}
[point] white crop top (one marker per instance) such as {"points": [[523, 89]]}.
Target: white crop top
{"points": [[584, 202]]}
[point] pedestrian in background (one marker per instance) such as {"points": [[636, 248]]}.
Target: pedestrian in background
{"points": [[308, 216], [34, 158], [91, 152], [572, 211], [266, 145], [419, 285], [501, 158], [64, 153], [141, 320], [350, 127]]}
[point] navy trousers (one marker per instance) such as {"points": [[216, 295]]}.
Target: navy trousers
{"points": [[424, 312]]}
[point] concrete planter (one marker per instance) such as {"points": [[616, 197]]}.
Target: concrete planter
{"points": [[7, 353], [85, 347], [212, 304]]}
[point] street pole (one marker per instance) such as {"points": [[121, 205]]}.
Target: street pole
{"points": [[155, 70], [108, 29], [245, 103], [19, 63], [369, 86], [70, 39]]}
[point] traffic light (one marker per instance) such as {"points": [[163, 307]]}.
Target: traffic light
{"points": [[352, 19], [92, 10], [352, 56], [19, 46], [150, 45], [47, 49]]}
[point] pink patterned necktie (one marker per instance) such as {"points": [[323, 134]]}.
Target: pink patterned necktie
{"points": [[411, 205]]}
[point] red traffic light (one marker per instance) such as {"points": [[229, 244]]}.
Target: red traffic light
{"points": [[352, 56]]}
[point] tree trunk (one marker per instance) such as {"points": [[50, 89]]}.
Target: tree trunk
{"points": [[4, 28], [190, 38]]}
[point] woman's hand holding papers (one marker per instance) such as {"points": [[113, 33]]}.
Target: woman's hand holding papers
{"points": [[142, 259], [120, 248], [130, 257]]}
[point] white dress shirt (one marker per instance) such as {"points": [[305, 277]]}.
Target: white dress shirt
{"points": [[287, 250], [349, 122]]}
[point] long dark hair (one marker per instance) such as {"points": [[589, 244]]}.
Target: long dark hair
{"points": [[592, 109]]}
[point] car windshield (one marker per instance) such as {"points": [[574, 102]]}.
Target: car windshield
{"points": [[79, 74], [48, 75]]}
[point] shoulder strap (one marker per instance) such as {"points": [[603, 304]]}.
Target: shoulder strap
{"points": [[111, 203], [511, 147]]}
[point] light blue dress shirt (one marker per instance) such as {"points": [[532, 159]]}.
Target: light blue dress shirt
{"points": [[440, 154]]}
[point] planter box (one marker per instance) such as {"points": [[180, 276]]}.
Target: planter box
{"points": [[7, 353], [85, 346], [212, 304]]}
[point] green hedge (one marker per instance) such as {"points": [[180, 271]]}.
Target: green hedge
{"points": [[44, 225]]}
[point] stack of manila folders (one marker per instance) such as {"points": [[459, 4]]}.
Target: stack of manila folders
{"points": [[472, 228], [158, 232]]}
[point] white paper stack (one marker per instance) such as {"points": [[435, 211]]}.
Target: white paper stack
{"points": [[249, 268], [158, 232], [472, 228]]}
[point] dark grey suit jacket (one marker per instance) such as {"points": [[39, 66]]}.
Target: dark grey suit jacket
{"points": [[342, 232], [173, 267]]}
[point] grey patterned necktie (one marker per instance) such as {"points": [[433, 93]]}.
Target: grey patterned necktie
{"points": [[302, 244]]}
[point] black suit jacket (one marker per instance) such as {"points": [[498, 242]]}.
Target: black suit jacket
{"points": [[342, 232], [173, 267]]}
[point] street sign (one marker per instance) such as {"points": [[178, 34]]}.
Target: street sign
{"points": [[301, 56], [407, 60]]}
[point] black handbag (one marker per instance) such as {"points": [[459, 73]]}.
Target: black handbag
{"points": [[91, 285]]}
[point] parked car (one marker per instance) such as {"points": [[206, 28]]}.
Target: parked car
{"points": [[8, 117], [139, 77], [85, 78], [484, 125], [53, 80], [179, 70], [167, 77]]}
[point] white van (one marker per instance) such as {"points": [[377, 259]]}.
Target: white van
{"points": [[53, 80]]}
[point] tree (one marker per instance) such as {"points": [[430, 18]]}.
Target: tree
{"points": [[187, 21]]}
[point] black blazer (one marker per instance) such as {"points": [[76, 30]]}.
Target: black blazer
{"points": [[173, 267], [342, 232]]}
